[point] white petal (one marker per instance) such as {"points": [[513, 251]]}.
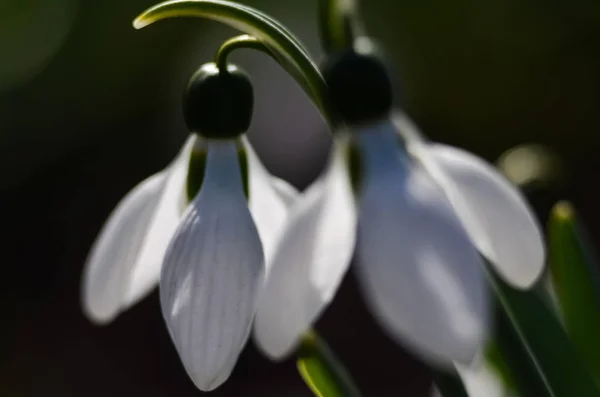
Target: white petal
{"points": [[494, 212], [213, 269], [481, 381], [435, 392], [421, 275], [267, 206], [287, 193], [108, 267], [310, 262], [406, 128], [145, 273]]}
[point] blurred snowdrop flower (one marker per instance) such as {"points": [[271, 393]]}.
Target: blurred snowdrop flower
{"points": [[212, 251], [494, 212], [419, 214], [310, 260]]}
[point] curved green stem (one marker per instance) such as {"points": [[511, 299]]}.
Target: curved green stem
{"points": [[322, 370], [339, 24], [237, 42], [279, 25], [283, 45], [249, 42]]}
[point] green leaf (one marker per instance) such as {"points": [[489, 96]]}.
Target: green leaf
{"points": [[322, 371], [498, 364], [574, 276], [286, 48], [512, 359], [536, 348]]}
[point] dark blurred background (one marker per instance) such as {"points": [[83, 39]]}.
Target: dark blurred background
{"points": [[89, 107]]}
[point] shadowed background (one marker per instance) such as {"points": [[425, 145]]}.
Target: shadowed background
{"points": [[89, 107]]}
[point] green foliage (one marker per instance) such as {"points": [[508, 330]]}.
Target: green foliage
{"points": [[497, 363], [322, 371], [574, 276], [533, 343]]}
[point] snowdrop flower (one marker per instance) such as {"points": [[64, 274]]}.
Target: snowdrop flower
{"points": [[417, 214], [125, 261], [214, 266]]}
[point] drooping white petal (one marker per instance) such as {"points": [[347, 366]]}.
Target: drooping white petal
{"points": [[420, 273], [406, 128], [481, 381], [267, 206], [493, 211], [146, 271], [113, 255], [287, 193], [310, 261], [212, 271]]}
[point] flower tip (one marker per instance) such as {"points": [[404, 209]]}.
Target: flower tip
{"points": [[140, 22], [208, 385], [270, 346], [563, 211], [527, 277], [97, 312], [96, 317]]}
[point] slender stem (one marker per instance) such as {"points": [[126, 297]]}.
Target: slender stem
{"points": [[322, 371], [291, 36], [283, 45], [339, 24], [237, 42], [251, 42]]}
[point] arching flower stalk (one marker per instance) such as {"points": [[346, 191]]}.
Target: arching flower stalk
{"points": [[422, 213]]}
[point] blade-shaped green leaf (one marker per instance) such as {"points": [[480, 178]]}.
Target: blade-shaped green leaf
{"points": [[513, 361], [286, 48], [533, 343], [498, 364], [574, 276], [322, 371]]}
